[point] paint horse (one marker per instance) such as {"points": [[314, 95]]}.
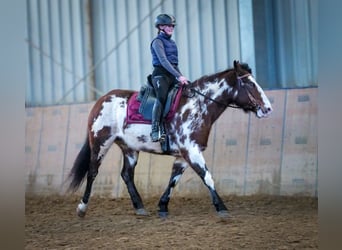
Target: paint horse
{"points": [[201, 104]]}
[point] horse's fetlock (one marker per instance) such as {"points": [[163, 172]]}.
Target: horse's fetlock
{"points": [[163, 206], [220, 207]]}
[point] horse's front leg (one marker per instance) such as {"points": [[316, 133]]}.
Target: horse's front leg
{"points": [[178, 168], [197, 163], [127, 174]]}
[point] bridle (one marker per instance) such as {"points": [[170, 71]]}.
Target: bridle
{"points": [[252, 103]]}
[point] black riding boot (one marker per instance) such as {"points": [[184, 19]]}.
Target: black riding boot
{"points": [[156, 115]]}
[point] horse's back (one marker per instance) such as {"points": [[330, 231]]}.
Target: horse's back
{"points": [[110, 97]]}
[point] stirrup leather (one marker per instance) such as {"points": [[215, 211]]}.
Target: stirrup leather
{"points": [[155, 133]]}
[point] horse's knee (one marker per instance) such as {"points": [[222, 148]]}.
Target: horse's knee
{"points": [[126, 176]]}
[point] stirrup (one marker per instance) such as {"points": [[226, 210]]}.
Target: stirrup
{"points": [[162, 137], [162, 132], [155, 135]]}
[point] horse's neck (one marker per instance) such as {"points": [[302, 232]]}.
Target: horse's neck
{"points": [[199, 111], [213, 98]]}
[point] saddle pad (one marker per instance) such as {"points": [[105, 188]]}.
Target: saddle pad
{"points": [[133, 115]]}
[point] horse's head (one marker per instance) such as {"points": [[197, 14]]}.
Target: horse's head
{"points": [[249, 95]]}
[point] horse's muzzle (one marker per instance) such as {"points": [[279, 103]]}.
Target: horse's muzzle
{"points": [[263, 112]]}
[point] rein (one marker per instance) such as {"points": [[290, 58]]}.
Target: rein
{"points": [[194, 91]]}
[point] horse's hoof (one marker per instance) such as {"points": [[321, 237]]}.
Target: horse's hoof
{"points": [[80, 213], [142, 212], [81, 209], [223, 214], [163, 214]]}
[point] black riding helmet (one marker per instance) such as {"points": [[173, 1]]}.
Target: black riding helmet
{"points": [[164, 19]]}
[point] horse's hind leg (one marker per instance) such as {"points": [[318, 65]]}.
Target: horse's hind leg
{"points": [[127, 174], [178, 169], [91, 175], [99, 149]]}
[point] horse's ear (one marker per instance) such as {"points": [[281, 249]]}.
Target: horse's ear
{"points": [[236, 64]]}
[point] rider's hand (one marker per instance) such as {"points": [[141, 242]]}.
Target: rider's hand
{"points": [[182, 80]]}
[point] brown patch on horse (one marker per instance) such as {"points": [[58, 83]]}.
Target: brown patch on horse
{"points": [[101, 137], [201, 137], [142, 138]]}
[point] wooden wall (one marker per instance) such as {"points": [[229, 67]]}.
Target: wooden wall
{"points": [[246, 155]]}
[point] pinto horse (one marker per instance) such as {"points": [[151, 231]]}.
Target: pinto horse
{"points": [[202, 103]]}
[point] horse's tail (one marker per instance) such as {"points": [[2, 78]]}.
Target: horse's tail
{"points": [[80, 167]]}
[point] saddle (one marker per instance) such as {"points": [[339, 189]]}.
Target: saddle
{"points": [[140, 104]]}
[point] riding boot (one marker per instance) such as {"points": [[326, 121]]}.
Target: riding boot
{"points": [[156, 114]]}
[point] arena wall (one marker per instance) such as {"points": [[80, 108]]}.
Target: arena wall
{"points": [[246, 155]]}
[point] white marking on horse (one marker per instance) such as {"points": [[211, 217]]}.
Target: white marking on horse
{"points": [[176, 180], [235, 94], [195, 154], [132, 160], [218, 91], [82, 206], [131, 136], [208, 179], [262, 93], [107, 116], [212, 90]]}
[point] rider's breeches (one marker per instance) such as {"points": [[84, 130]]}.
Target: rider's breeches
{"points": [[162, 85]]}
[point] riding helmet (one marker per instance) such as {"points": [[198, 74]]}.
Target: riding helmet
{"points": [[164, 19]]}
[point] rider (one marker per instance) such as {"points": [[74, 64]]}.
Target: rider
{"points": [[166, 72]]}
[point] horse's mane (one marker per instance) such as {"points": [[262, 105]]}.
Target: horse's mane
{"points": [[246, 67], [212, 77]]}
